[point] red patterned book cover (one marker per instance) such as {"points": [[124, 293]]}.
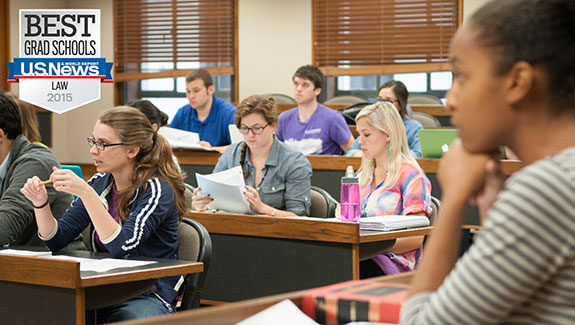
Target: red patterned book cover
{"points": [[356, 300]]}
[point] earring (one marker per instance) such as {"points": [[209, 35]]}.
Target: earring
{"points": [[388, 149]]}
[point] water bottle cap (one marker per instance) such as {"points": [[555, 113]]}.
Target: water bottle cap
{"points": [[349, 171]]}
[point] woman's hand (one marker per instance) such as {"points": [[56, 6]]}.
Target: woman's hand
{"points": [[255, 202], [35, 192], [493, 184], [200, 201], [65, 180], [460, 172]]}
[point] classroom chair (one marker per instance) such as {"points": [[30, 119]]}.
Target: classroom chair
{"points": [[196, 246], [350, 112], [323, 205], [75, 168], [426, 120], [346, 99], [282, 99], [423, 99]]}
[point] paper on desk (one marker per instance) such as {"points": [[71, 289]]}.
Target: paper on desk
{"points": [[284, 312], [182, 139], [24, 252], [227, 189], [108, 264]]}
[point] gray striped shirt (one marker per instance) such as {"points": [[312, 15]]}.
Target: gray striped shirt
{"points": [[521, 268]]}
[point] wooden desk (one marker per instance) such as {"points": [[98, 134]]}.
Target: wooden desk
{"points": [[235, 312], [38, 290], [256, 256]]}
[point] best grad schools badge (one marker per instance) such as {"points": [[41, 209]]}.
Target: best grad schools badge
{"points": [[59, 68]]}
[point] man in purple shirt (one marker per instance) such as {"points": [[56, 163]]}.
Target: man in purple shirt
{"points": [[311, 127]]}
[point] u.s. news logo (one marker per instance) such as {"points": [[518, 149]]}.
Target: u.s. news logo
{"points": [[59, 67]]}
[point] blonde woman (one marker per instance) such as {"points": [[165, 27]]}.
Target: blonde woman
{"points": [[391, 182]]}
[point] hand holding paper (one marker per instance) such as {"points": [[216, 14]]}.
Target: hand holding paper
{"points": [[227, 189]]}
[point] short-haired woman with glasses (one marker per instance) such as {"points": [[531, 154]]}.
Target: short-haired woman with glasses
{"points": [[133, 204], [277, 176], [395, 92]]}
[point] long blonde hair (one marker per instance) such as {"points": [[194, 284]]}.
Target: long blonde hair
{"points": [[153, 160], [384, 117]]}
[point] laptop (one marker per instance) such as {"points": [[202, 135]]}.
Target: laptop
{"points": [[434, 142]]}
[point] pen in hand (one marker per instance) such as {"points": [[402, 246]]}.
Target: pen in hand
{"points": [[45, 182]]}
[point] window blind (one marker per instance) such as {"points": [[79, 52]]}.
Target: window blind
{"points": [[359, 34], [173, 31]]}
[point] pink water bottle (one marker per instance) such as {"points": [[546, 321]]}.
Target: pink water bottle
{"points": [[350, 210]]}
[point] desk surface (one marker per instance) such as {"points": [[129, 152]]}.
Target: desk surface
{"points": [[234, 312], [67, 274], [299, 228], [429, 165]]}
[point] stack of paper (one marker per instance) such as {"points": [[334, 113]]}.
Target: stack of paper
{"points": [[182, 139], [393, 222], [227, 189]]}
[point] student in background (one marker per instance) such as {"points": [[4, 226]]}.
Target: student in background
{"points": [[311, 127], [391, 183], [395, 92], [30, 126], [277, 175], [514, 81], [156, 117], [205, 114], [133, 204], [20, 160]]}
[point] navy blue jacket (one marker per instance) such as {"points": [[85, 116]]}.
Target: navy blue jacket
{"points": [[151, 230]]}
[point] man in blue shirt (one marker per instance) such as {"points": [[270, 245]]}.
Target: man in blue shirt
{"points": [[205, 114]]}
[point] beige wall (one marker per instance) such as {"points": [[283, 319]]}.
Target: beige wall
{"points": [[274, 40]]}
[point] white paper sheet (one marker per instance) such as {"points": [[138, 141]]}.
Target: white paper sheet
{"points": [[227, 189], [24, 252], [182, 139], [108, 264], [235, 134], [282, 313]]}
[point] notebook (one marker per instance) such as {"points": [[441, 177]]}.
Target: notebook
{"points": [[434, 142], [393, 222]]}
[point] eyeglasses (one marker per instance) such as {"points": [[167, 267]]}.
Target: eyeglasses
{"points": [[101, 145], [255, 129], [389, 100]]}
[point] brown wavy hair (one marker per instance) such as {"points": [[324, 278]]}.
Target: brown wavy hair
{"points": [[255, 104], [153, 160]]}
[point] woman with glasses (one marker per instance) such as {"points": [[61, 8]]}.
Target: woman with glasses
{"points": [[277, 176], [396, 93], [133, 204]]}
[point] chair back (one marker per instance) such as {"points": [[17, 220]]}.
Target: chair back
{"points": [[196, 246], [423, 99], [346, 99], [350, 112], [188, 194], [282, 99], [426, 120], [75, 168], [323, 205]]}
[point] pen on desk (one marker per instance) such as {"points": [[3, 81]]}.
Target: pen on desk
{"points": [[45, 182]]}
